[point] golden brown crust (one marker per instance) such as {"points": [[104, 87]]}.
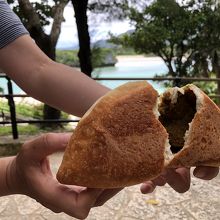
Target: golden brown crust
{"points": [[117, 143], [120, 142], [202, 147]]}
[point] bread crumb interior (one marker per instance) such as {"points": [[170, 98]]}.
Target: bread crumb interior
{"points": [[176, 116]]}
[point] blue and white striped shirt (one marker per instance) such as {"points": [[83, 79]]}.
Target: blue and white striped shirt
{"points": [[10, 25]]}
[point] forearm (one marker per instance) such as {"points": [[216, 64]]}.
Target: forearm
{"points": [[4, 177], [58, 85], [65, 88]]}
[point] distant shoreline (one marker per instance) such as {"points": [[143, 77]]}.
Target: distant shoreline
{"points": [[139, 58], [124, 61]]}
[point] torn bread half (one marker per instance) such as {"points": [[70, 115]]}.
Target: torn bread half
{"points": [[130, 135], [192, 121]]}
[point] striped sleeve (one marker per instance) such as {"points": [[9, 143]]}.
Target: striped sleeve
{"points": [[10, 25]]}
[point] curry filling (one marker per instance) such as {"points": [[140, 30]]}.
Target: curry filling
{"points": [[176, 117]]}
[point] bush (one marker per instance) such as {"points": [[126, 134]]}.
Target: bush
{"points": [[68, 57], [100, 57], [103, 57]]}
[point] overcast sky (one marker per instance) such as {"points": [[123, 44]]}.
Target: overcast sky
{"points": [[98, 30]]}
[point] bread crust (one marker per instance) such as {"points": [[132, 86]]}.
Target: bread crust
{"points": [[117, 143], [120, 141]]}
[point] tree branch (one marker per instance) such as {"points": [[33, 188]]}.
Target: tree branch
{"points": [[188, 60], [58, 19], [30, 14]]}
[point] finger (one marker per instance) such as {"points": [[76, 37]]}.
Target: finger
{"points": [[106, 195], [88, 197], [45, 145], [63, 198], [159, 181], [147, 187], [75, 204], [206, 173], [84, 202], [178, 179]]}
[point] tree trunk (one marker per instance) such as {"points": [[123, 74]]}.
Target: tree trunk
{"points": [[47, 43], [50, 112], [216, 68], [205, 67], [80, 8], [218, 74]]}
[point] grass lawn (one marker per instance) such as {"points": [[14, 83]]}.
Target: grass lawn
{"points": [[32, 130], [29, 111]]}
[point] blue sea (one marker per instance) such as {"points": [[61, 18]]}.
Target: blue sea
{"points": [[126, 67]]}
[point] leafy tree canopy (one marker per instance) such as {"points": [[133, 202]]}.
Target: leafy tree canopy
{"points": [[177, 32], [44, 9], [37, 14]]}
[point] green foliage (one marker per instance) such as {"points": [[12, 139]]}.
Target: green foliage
{"points": [[24, 109], [186, 36], [1, 90], [31, 130], [110, 10], [68, 57], [27, 130], [42, 8], [27, 110], [30, 111], [99, 55], [125, 51], [210, 88], [4, 106], [183, 35]]}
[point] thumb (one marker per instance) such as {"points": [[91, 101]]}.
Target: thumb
{"points": [[45, 145]]}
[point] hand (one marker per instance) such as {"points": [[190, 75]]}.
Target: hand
{"points": [[29, 173], [179, 179]]}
